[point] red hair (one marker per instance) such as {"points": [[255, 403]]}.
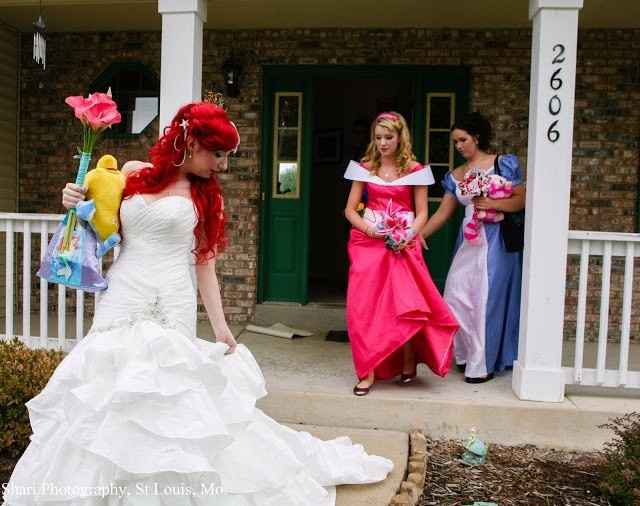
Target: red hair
{"points": [[211, 127]]}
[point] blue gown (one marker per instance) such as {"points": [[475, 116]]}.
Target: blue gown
{"points": [[483, 289]]}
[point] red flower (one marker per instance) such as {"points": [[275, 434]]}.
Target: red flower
{"points": [[98, 111]]}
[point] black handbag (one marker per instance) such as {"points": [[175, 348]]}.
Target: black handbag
{"points": [[512, 226]]}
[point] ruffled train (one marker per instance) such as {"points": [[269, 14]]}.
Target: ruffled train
{"points": [[141, 414]]}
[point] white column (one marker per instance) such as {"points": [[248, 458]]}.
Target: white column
{"points": [[181, 60], [537, 374]]}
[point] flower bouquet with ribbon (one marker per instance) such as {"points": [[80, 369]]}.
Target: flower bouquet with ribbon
{"points": [[71, 258], [394, 223], [478, 184]]}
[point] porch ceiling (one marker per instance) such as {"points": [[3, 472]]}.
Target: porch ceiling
{"points": [[112, 15]]}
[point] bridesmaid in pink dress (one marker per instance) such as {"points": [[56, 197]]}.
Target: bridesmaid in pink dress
{"points": [[396, 317]]}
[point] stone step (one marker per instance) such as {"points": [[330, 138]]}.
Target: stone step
{"points": [[393, 445], [310, 381]]}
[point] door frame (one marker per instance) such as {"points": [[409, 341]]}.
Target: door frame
{"points": [[434, 77]]}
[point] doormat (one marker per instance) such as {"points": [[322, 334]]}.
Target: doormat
{"points": [[338, 336], [279, 330]]}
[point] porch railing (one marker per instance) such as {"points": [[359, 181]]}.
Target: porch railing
{"points": [[27, 230], [606, 248]]}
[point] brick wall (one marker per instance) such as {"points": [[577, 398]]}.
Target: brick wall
{"points": [[606, 140]]}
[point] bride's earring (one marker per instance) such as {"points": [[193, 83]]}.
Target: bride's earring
{"points": [[184, 157]]}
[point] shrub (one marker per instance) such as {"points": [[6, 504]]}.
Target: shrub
{"points": [[24, 372], [620, 481]]}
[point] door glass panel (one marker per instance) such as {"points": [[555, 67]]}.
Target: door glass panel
{"points": [[440, 117], [287, 172], [287, 135], [288, 145], [440, 114], [288, 111], [439, 143]]}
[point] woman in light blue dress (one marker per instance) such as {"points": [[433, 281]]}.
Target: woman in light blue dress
{"points": [[484, 280]]}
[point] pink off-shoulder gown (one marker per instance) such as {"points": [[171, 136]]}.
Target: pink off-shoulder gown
{"points": [[391, 298]]}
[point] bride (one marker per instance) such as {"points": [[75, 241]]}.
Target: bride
{"points": [[141, 411]]}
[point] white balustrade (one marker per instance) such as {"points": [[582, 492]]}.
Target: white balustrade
{"points": [[607, 246], [39, 227]]}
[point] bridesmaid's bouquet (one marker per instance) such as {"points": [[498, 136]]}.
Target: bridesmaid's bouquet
{"points": [[478, 184], [395, 224]]}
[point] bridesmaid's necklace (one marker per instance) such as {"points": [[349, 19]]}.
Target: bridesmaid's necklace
{"points": [[388, 174]]}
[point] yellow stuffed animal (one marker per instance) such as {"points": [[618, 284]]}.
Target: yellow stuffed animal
{"points": [[105, 185]]}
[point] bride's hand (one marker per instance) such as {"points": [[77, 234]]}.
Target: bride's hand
{"points": [[227, 338], [72, 194]]}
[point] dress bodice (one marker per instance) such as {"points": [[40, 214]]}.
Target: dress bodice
{"points": [[399, 193], [162, 225], [154, 274], [378, 197]]}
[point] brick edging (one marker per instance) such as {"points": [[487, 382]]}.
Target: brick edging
{"points": [[413, 484]]}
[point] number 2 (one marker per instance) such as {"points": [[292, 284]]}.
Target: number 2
{"points": [[559, 58]]}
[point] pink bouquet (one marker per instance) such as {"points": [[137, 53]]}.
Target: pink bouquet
{"points": [[395, 224], [97, 112], [478, 184]]}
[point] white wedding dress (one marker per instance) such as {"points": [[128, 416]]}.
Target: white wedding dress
{"points": [[142, 412]]}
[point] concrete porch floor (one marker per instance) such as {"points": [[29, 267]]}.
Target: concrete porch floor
{"points": [[310, 382]]}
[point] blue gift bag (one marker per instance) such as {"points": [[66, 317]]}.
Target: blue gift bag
{"points": [[76, 265]]}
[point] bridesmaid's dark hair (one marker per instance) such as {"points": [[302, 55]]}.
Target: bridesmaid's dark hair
{"points": [[476, 125]]}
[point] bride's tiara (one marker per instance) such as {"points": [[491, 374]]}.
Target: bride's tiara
{"points": [[215, 98]]}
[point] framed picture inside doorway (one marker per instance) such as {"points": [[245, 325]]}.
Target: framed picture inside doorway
{"points": [[327, 146]]}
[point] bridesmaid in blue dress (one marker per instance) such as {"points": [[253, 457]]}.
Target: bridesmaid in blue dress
{"points": [[484, 280]]}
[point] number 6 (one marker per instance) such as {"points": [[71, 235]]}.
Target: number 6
{"points": [[552, 134], [556, 82]]}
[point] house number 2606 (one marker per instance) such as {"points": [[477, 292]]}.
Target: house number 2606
{"points": [[555, 104]]}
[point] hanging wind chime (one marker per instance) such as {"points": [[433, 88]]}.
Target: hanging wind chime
{"points": [[39, 41]]}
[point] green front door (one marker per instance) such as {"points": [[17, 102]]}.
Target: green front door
{"points": [[445, 97], [439, 95], [285, 188]]}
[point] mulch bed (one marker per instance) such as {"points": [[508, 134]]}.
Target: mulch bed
{"points": [[6, 468], [512, 475]]}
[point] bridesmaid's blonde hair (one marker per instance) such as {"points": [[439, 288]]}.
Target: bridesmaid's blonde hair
{"points": [[394, 122]]}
